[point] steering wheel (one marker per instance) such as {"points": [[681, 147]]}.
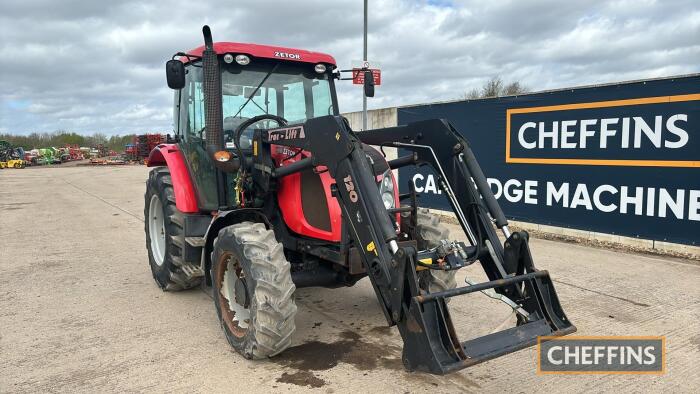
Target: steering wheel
{"points": [[239, 130]]}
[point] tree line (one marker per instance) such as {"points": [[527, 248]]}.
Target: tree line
{"points": [[62, 138], [496, 87]]}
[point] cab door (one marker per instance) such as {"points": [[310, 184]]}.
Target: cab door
{"points": [[190, 128]]}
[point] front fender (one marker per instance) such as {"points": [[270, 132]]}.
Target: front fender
{"points": [[224, 219], [170, 155]]}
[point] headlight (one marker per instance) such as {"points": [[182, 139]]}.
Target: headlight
{"points": [[386, 189], [388, 199]]}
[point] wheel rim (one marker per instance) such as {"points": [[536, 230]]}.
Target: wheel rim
{"points": [[156, 229], [230, 278]]}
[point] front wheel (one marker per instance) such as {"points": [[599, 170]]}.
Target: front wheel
{"points": [[429, 234], [253, 290]]}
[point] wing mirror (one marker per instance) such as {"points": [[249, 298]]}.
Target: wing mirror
{"points": [[369, 84], [175, 73]]}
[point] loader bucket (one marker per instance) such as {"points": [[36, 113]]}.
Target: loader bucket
{"points": [[431, 343]]}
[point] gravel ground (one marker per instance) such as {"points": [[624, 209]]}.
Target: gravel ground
{"points": [[79, 310]]}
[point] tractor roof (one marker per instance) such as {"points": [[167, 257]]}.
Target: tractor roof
{"points": [[266, 51]]}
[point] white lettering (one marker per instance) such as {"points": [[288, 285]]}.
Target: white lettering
{"points": [[650, 357], [586, 355], [665, 201], [612, 353], [585, 132], [694, 205], [512, 195], [640, 126], [625, 132], [682, 134], [430, 185], [596, 198], [561, 194], [569, 355], [651, 199], [521, 135], [636, 200], [598, 353], [530, 192], [566, 134], [549, 134], [581, 197], [606, 132], [632, 130], [499, 189], [550, 353], [419, 189], [635, 353]]}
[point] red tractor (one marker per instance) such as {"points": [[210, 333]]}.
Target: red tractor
{"points": [[267, 189]]}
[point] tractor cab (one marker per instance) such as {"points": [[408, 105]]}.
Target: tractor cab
{"points": [[292, 84]]}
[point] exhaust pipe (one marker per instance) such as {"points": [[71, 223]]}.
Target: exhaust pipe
{"points": [[214, 118]]}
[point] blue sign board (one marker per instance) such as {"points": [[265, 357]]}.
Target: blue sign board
{"points": [[619, 159]]}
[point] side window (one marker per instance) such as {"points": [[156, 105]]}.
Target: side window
{"points": [[196, 110], [192, 113], [322, 98], [294, 103], [176, 112]]}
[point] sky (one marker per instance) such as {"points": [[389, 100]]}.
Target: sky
{"points": [[96, 66]]}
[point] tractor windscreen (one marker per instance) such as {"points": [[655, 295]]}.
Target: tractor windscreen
{"points": [[293, 91]]}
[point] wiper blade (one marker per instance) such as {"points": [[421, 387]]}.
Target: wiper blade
{"points": [[256, 89]]}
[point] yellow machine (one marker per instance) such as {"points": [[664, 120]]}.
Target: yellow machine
{"points": [[14, 163], [3, 165]]}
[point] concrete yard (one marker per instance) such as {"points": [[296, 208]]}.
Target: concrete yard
{"points": [[79, 310]]}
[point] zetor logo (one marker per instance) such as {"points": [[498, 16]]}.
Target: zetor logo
{"points": [[286, 55]]}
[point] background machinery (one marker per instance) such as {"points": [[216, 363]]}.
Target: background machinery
{"points": [[267, 189], [10, 156]]}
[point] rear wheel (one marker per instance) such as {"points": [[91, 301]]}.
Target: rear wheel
{"points": [[253, 290], [164, 226], [429, 233]]}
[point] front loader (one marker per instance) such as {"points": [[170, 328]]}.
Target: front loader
{"points": [[257, 201]]}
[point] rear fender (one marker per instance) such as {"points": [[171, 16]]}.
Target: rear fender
{"points": [[225, 219], [170, 155]]}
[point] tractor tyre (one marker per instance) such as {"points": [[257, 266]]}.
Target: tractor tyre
{"points": [[429, 233], [163, 225], [253, 290]]}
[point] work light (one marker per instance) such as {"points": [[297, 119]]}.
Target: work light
{"points": [[243, 60]]}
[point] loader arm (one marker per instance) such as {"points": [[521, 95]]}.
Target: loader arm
{"points": [[423, 319]]}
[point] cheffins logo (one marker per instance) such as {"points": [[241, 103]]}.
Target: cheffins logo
{"points": [[601, 355], [649, 132]]}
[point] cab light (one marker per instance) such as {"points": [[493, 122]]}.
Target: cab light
{"points": [[243, 60]]}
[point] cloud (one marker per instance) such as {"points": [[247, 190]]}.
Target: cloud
{"points": [[94, 66]]}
